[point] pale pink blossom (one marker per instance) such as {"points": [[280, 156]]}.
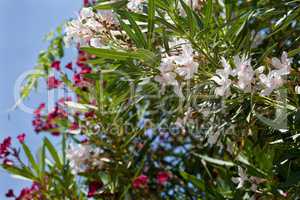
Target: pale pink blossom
{"points": [[88, 28], [270, 82], [244, 72], [241, 179], [222, 79], [284, 65], [187, 67], [167, 76]]}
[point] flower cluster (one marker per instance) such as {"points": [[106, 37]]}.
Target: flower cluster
{"points": [[142, 181], [84, 157], [249, 80], [179, 65], [121, 139], [94, 29], [26, 193], [48, 122]]}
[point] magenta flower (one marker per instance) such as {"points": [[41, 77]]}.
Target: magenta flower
{"points": [[10, 193], [69, 66], [140, 182], [21, 137], [39, 109], [94, 187], [56, 65], [4, 147], [53, 83], [162, 177]]}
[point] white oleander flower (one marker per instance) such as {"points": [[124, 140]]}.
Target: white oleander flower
{"points": [[78, 156], [241, 179], [107, 16], [270, 82], [244, 72], [187, 67], [284, 65], [88, 28], [222, 79], [275, 79], [168, 76], [83, 156], [86, 12], [135, 5]]}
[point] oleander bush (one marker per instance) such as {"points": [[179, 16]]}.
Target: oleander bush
{"points": [[167, 99]]}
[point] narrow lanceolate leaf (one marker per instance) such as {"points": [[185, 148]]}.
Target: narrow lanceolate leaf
{"points": [[214, 160], [208, 13], [53, 153], [30, 158], [79, 106], [19, 172], [42, 159], [140, 54], [137, 30], [279, 123], [151, 15], [131, 34], [190, 17], [110, 5]]}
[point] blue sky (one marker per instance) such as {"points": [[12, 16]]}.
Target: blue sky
{"points": [[23, 25]]}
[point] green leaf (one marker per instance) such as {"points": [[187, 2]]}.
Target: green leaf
{"points": [[137, 31], [108, 5], [131, 34], [214, 160], [140, 54], [208, 8], [79, 107], [294, 52], [279, 123], [190, 17], [53, 153], [42, 159], [24, 172], [30, 158], [151, 15]]}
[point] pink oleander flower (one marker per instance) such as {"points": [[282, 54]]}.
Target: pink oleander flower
{"points": [[94, 187], [21, 137], [69, 66], [163, 177], [4, 146], [30, 193], [41, 107], [53, 83], [140, 182], [56, 65], [10, 193]]}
